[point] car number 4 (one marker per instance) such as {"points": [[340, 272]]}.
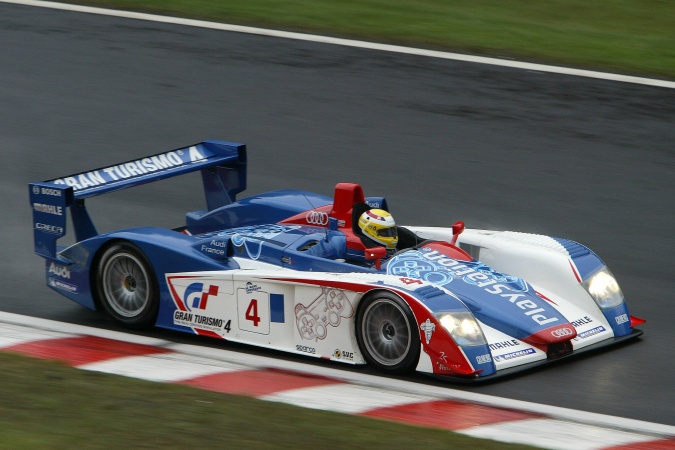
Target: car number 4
{"points": [[252, 312]]}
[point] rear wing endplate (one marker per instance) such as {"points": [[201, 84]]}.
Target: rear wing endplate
{"points": [[223, 167]]}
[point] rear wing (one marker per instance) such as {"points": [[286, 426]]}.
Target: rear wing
{"points": [[222, 164]]}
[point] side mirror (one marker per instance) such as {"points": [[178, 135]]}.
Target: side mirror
{"points": [[457, 229], [377, 254]]}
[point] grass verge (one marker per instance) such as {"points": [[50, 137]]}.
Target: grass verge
{"points": [[44, 404], [630, 36]]}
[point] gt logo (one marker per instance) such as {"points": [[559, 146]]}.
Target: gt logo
{"points": [[317, 218], [561, 332], [196, 297]]}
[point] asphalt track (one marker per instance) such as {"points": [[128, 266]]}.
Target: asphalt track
{"points": [[498, 148]]}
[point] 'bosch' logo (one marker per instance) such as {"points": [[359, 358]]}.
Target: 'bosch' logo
{"points": [[560, 332], [317, 218]]}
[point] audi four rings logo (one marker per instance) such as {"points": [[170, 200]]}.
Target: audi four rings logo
{"points": [[561, 332], [317, 218]]}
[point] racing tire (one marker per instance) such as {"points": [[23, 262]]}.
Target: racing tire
{"points": [[126, 286], [386, 332]]}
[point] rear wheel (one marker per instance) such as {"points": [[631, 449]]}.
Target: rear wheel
{"points": [[387, 333], [126, 285]]}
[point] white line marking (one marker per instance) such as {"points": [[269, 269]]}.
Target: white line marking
{"points": [[344, 398], [349, 43], [554, 434], [168, 367], [11, 335]]}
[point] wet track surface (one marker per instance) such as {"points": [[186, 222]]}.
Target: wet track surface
{"points": [[591, 161]]}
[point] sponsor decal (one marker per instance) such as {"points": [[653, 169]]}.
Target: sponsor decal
{"points": [[46, 191], [250, 287], [623, 318], [215, 247], [317, 218], [196, 297], [483, 359], [327, 310], [444, 365], [305, 349], [132, 169], [591, 332], [504, 344], [583, 321], [512, 355], [193, 320], [51, 229], [341, 354], [562, 332], [428, 327], [62, 285], [49, 209], [192, 302], [430, 265], [214, 251], [59, 271]]}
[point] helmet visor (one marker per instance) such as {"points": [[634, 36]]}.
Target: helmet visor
{"points": [[387, 232]]}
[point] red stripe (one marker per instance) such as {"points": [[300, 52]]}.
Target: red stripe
{"points": [[208, 333], [574, 269], [545, 298], [179, 302], [257, 382], [80, 350], [350, 286], [663, 444], [451, 415]]}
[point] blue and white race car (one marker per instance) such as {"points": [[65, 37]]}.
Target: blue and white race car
{"points": [[333, 278]]}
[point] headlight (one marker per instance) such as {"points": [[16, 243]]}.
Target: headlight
{"points": [[463, 328], [604, 289]]}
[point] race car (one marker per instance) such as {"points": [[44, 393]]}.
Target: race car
{"points": [[329, 277]]}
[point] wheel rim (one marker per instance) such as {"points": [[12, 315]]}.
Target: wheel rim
{"points": [[125, 285], [386, 332]]}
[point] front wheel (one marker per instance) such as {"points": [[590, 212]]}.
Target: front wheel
{"points": [[126, 286], [387, 333]]}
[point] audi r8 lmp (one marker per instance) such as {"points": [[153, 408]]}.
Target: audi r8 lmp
{"points": [[294, 271]]}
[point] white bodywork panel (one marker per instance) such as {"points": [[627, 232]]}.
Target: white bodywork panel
{"points": [[541, 261]]}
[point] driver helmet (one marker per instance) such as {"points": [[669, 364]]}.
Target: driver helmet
{"points": [[379, 225]]}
